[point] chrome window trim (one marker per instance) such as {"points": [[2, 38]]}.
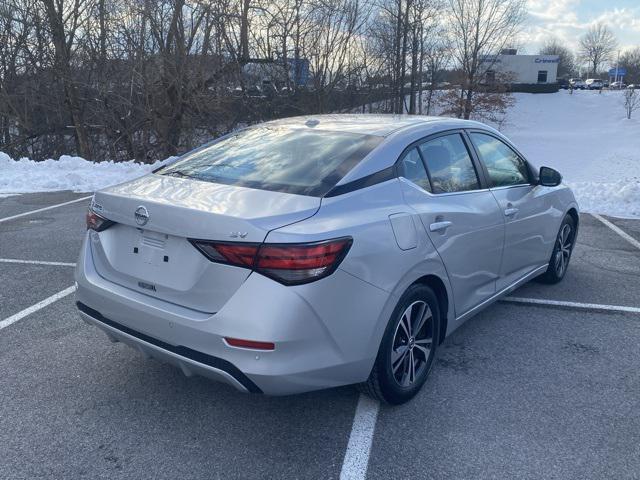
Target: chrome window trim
{"points": [[444, 194], [519, 185]]}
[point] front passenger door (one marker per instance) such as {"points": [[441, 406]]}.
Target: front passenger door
{"points": [[528, 236]]}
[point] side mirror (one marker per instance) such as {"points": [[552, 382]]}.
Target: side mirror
{"points": [[549, 177]]}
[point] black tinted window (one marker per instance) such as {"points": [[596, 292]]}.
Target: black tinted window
{"points": [[449, 164], [412, 169], [505, 166], [302, 161]]}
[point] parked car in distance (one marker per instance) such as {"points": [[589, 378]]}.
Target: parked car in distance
{"points": [[314, 252], [632, 86], [254, 91], [617, 85], [268, 88], [563, 83], [594, 84], [577, 83]]}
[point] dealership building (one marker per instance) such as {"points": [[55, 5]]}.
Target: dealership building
{"points": [[521, 69]]}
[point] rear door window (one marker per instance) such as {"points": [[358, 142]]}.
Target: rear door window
{"points": [[412, 169], [449, 164], [505, 166], [293, 160]]}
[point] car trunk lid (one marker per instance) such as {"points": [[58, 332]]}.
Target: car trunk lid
{"points": [[148, 250]]}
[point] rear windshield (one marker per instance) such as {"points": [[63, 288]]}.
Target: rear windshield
{"points": [[301, 161]]}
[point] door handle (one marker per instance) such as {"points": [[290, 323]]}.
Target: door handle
{"points": [[510, 212], [439, 226]]}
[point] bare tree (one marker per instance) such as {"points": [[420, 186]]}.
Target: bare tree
{"points": [[566, 61], [480, 29], [437, 55], [597, 46], [630, 61], [122, 79], [631, 101]]}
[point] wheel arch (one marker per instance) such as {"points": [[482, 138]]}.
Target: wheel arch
{"points": [[573, 212], [439, 288]]}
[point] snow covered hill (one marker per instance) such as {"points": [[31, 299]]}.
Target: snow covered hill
{"points": [[585, 136]]}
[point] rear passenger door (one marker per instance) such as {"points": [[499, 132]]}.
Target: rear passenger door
{"points": [[461, 217], [528, 234]]}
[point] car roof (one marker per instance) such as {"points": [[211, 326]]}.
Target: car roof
{"points": [[397, 132], [381, 125]]}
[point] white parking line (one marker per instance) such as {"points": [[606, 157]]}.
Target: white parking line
{"points": [[356, 458], [36, 262], [6, 219], [562, 303], [38, 306], [618, 230]]}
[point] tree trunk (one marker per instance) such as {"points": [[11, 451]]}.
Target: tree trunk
{"points": [[63, 69], [468, 104], [403, 58], [244, 31], [414, 71]]}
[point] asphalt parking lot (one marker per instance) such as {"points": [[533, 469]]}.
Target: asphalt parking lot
{"points": [[520, 391]]}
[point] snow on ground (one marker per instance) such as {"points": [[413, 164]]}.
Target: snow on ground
{"points": [[67, 173], [585, 136]]}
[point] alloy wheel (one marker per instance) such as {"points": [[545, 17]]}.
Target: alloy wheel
{"points": [[563, 250], [412, 343]]}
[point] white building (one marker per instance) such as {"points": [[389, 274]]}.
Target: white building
{"points": [[521, 69]]}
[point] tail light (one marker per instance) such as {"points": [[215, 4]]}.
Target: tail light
{"points": [[238, 254], [96, 222], [287, 263]]}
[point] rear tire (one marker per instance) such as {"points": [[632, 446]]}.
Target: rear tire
{"points": [[562, 249], [408, 348]]}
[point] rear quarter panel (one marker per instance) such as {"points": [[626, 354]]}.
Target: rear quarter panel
{"points": [[375, 257]]}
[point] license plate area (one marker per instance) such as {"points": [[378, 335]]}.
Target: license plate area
{"points": [[153, 248]]}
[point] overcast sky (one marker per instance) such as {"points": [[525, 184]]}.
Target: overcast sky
{"points": [[567, 20]]}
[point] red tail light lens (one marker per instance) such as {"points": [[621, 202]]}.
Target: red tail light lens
{"points": [[301, 263], [96, 222], [238, 254], [241, 343], [290, 264]]}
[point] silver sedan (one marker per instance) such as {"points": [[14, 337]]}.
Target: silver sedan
{"points": [[314, 252]]}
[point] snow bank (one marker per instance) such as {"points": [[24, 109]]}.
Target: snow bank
{"points": [[67, 173], [587, 137]]}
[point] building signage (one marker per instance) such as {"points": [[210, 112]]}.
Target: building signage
{"points": [[621, 72], [547, 60]]}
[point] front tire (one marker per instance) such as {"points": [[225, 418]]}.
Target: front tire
{"points": [[407, 349], [562, 250]]}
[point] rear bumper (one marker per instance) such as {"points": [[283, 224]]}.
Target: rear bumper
{"points": [[326, 333], [189, 361]]}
